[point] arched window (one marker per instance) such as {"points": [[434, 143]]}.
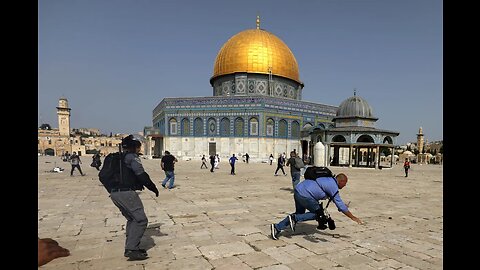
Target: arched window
{"points": [[198, 127], [388, 140], [212, 127], [239, 127], [253, 126], [282, 129], [365, 138], [339, 138], [225, 127], [186, 127], [173, 126], [270, 127], [295, 130]]}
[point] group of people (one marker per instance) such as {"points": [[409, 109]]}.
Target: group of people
{"points": [[215, 161], [307, 195], [75, 161]]}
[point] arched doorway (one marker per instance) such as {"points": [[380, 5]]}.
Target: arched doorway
{"points": [[49, 152]]}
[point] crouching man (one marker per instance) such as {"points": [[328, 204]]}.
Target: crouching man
{"points": [[307, 195]]}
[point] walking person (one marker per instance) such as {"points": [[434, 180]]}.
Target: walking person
{"points": [[247, 157], [75, 161], [280, 164], [217, 161], [271, 158], [306, 196], [123, 195], [204, 163], [212, 162], [406, 166], [96, 161], [232, 160], [167, 165], [296, 165]]}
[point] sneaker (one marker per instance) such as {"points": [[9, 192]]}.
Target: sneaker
{"points": [[164, 186], [136, 255], [293, 222], [274, 232], [275, 175], [129, 251]]}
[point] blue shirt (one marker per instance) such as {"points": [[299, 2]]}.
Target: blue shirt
{"points": [[232, 160], [327, 187]]}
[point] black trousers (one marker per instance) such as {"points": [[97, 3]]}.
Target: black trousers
{"points": [[233, 168], [76, 166], [204, 164], [278, 168], [213, 165]]}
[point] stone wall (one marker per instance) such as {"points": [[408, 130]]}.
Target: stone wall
{"points": [[259, 149]]}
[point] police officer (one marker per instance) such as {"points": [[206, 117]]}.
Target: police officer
{"points": [[127, 200]]}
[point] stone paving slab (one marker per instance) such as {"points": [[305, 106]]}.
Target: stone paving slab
{"points": [[218, 221]]}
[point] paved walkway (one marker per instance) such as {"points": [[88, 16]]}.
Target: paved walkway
{"points": [[219, 221]]}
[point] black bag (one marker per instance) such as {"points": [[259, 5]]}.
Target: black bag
{"points": [[110, 175], [312, 173]]}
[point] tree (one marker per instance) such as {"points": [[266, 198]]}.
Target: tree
{"points": [[416, 151], [386, 151], [45, 127]]}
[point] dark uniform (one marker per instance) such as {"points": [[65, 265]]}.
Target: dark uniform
{"points": [[129, 203]]}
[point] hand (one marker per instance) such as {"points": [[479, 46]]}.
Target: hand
{"points": [[358, 221], [48, 249]]}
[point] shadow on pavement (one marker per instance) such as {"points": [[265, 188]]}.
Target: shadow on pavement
{"points": [[152, 230]]}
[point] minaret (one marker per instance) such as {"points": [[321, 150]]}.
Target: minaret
{"points": [[420, 140], [63, 112]]}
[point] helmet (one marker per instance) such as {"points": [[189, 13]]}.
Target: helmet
{"points": [[130, 142]]}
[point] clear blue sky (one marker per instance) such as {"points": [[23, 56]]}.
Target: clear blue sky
{"points": [[115, 60]]}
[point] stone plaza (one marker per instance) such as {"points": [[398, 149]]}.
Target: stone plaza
{"points": [[222, 221]]}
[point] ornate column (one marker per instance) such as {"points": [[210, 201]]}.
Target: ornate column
{"points": [[350, 156], [377, 157], [392, 156]]}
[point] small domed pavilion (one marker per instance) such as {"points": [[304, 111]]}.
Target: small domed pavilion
{"points": [[354, 140]]}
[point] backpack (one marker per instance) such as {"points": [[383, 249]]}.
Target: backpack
{"points": [[110, 176], [298, 163], [312, 173]]}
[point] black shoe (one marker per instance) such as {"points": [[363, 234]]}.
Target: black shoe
{"points": [[136, 255], [164, 186], [129, 251], [293, 222], [274, 232]]}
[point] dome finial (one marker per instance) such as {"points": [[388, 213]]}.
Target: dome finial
{"points": [[354, 92], [258, 21]]}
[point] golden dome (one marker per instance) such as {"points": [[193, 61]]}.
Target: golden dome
{"points": [[254, 51]]}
